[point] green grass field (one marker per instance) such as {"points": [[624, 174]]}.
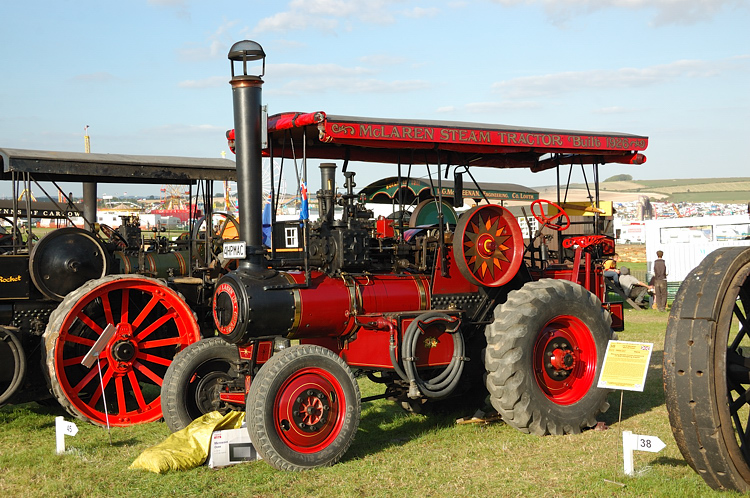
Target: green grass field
{"points": [[394, 454], [721, 190]]}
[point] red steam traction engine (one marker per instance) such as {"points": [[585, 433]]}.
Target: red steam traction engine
{"points": [[426, 311]]}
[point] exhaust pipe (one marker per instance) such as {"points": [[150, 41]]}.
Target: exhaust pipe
{"points": [[327, 192], [247, 102]]}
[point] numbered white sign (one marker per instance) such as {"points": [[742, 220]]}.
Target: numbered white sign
{"points": [[649, 443], [234, 249], [62, 429], [637, 442]]}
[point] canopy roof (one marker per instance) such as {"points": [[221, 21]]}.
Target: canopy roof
{"points": [[113, 168], [446, 142], [384, 191]]}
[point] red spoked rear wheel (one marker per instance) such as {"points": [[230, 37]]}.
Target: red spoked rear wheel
{"points": [[488, 247], [152, 324]]}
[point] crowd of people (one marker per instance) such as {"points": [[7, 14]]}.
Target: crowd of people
{"points": [[635, 289]]}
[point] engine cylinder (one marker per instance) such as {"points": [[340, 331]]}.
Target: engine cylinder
{"points": [[247, 307]]}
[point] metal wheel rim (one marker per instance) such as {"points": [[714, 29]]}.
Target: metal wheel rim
{"points": [[317, 388], [144, 336], [577, 382], [729, 367]]}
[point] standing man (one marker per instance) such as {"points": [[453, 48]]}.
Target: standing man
{"points": [[660, 282]]}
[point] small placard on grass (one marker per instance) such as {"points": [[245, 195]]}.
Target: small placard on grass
{"points": [[625, 365]]}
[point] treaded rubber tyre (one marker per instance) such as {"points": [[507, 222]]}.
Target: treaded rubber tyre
{"points": [[544, 322], [152, 324], [706, 369], [194, 380], [13, 367], [303, 408]]}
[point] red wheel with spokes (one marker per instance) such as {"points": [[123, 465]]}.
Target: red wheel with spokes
{"points": [[303, 408], [488, 247], [548, 221], [544, 352], [152, 322]]}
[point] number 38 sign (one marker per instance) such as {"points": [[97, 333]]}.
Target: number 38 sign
{"points": [[632, 442]]}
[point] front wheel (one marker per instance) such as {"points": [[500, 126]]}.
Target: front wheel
{"points": [[544, 353], [303, 408], [195, 380]]}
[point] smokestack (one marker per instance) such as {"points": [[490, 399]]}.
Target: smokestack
{"points": [[327, 193], [246, 97]]}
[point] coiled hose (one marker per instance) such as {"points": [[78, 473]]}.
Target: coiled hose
{"points": [[446, 381]]}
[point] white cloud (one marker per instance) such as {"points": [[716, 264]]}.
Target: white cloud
{"points": [[180, 7], [667, 11], [382, 60], [327, 15], [290, 70], [215, 46], [554, 84], [350, 85], [480, 107], [167, 3], [420, 12]]}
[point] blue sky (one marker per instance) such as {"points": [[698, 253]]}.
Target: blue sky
{"points": [[151, 76]]}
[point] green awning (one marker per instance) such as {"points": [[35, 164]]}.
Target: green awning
{"points": [[387, 190]]}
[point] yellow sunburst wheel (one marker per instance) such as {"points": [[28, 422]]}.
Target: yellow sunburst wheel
{"points": [[489, 247]]}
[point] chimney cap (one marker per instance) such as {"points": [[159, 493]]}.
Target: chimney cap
{"points": [[244, 51]]}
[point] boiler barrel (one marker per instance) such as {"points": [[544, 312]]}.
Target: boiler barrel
{"points": [[154, 264]]}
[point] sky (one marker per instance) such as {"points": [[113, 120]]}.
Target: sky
{"points": [[151, 76]]}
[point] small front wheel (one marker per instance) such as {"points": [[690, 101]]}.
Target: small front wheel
{"points": [[195, 380], [303, 408]]}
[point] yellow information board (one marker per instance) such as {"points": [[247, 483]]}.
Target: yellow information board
{"points": [[625, 365]]}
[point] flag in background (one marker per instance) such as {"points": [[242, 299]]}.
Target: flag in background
{"points": [[304, 212], [267, 220]]}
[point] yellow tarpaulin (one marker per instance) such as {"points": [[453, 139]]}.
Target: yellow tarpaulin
{"points": [[188, 448]]}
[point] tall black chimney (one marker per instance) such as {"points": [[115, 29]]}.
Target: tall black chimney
{"points": [[246, 93]]}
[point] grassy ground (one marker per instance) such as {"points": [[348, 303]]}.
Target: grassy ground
{"points": [[394, 454]]}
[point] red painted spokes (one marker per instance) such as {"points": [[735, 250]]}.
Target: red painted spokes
{"points": [[309, 410], [549, 221], [489, 245], [565, 360], [152, 324]]}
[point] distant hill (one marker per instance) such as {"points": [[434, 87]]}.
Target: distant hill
{"points": [[724, 190]]}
